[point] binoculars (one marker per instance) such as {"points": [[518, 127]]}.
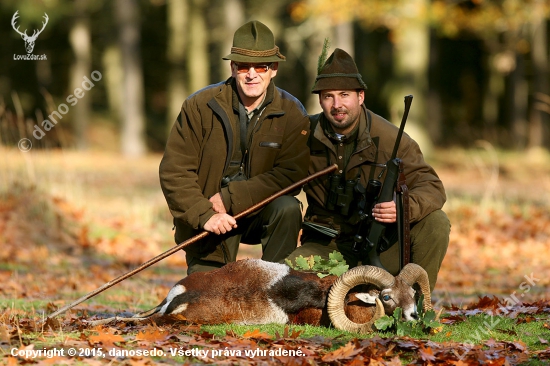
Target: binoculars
{"points": [[343, 194], [340, 194]]}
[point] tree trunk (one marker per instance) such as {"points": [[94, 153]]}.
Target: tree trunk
{"points": [[520, 90], [113, 77], [233, 19], [343, 38], [80, 39], [133, 116], [539, 116], [411, 58], [198, 65], [177, 30]]}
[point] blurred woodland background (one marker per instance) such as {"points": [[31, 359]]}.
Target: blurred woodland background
{"points": [[87, 198], [478, 69]]}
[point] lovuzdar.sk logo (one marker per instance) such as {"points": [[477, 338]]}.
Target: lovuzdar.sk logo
{"points": [[29, 40]]}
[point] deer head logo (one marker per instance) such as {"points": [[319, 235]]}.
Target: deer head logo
{"points": [[29, 41]]}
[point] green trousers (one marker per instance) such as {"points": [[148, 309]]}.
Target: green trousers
{"points": [[429, 242], [276, 227]]}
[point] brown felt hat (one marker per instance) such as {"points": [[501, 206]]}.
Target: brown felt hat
{"points": [[339, 73], [254, 42]]}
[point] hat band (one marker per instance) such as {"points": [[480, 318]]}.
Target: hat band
{"points": [[338, 74], [272, 52]]}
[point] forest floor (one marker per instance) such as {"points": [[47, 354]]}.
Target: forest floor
{"points": [[70, 222]]}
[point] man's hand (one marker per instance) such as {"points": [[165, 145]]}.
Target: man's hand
{"points": [[385, 212], [220, 223], [217, 203]]}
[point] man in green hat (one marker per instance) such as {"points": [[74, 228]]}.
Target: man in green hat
{"points": [[361, 142], [234, 144]]}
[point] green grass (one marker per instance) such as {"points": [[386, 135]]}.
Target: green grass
{"points": [[306, 331], [479, 328], [475, 330]]}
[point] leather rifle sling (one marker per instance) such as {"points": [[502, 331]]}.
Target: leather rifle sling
{"points": [[403, 190]]}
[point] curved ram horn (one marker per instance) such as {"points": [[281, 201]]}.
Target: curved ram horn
{"points": [[354, 277], [413, 273]]}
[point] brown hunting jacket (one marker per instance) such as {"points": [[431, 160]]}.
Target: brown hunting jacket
{"points": [[199, 150], [375, 141]]}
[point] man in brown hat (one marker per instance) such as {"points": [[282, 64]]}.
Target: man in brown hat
{"points": [[361, 142], [234, 144]]}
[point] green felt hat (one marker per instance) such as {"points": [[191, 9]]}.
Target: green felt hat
{"points": [[338, 73], [254, 42]]}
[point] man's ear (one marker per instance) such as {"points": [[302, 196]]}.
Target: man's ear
{"points": [[361, 95], [274, 68]]}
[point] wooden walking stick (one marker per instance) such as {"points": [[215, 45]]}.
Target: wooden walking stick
{"points": [[194, 239]]}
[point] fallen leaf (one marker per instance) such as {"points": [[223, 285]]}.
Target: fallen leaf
{"points": [[342, 353], [519, 345], [296, 333], [458, 363], [256, 334], [4, 334], [396, 361], [426, 354], [452, 319], [152, 335], [105, 338]]}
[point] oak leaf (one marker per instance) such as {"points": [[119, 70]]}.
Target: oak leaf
{"points": [[344, 352], [458, 363], [153, 335], [106, 338], [256, 334], [4, 334], [395, 361], [426, 354]]}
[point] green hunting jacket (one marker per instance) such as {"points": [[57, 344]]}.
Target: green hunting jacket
{"points": [[200, 147], [375, 142]]}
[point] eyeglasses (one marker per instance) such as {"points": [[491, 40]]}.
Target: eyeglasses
{"points": [[243, 68]]}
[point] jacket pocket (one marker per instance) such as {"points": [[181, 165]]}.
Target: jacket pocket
{"points": [[273, 145]]}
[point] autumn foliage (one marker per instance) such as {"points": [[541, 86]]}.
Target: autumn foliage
{"points": [[54, 250]]}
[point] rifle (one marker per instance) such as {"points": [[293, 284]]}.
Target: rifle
{"points": [[375, 230]]}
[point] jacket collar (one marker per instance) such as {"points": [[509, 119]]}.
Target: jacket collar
{"points": [[364, 139]]}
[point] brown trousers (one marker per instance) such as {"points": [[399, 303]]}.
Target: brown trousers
{"points": [[276, 227]]}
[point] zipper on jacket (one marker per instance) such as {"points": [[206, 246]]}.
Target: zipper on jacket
{"points": [[254, 129]]}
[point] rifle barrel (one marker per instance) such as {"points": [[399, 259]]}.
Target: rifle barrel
{"points": [[408, 102]]}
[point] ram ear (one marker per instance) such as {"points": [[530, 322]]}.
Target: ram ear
{"points": [[366, 297]]}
